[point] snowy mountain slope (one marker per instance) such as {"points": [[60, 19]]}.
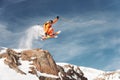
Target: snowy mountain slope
{"points": [[9, 74], [113, 75], [94, 74], [91, 74], [35, 64]]}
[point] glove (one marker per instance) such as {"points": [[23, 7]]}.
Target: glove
{"points": [[57, 17], [45, 34]]}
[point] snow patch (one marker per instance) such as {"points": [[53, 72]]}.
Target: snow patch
{"points": [[46, 75], [10, 74]]}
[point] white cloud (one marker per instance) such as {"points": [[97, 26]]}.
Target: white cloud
{"points": [[4, 33], [67, 51], [114, 64], [78, 22], [112, 42], [93, 22], [8, 38]]}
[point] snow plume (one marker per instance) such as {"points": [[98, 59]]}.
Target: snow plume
{"points": [[32, 33]]}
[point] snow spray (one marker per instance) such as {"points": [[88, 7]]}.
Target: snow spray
{"points": [[31, 33]]}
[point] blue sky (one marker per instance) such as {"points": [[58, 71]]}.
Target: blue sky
{"points": [[90, 29]]}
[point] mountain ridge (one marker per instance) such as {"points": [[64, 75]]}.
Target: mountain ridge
{"points": [[28, 67]]}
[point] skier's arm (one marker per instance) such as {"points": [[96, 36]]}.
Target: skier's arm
{"points": [[55, 20]]}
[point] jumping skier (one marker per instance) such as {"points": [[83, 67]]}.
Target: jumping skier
{"points": [[49, 30]]}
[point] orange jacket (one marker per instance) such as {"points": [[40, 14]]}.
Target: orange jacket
{"points": [[48, 27]]}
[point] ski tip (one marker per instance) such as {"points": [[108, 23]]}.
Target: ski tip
{"points": [[59, 31]]}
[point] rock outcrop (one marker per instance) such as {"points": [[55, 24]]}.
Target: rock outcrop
{"points": [[41, 64], [12, 60], [70, 72]]}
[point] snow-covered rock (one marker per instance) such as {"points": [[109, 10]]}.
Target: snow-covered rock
{"points": [[35, 64], [38, 64]]}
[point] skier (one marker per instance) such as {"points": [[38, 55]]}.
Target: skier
{"points": [[48, 29]]}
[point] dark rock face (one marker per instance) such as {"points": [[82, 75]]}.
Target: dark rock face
{"points": [[42, 60], [69, 72]]}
